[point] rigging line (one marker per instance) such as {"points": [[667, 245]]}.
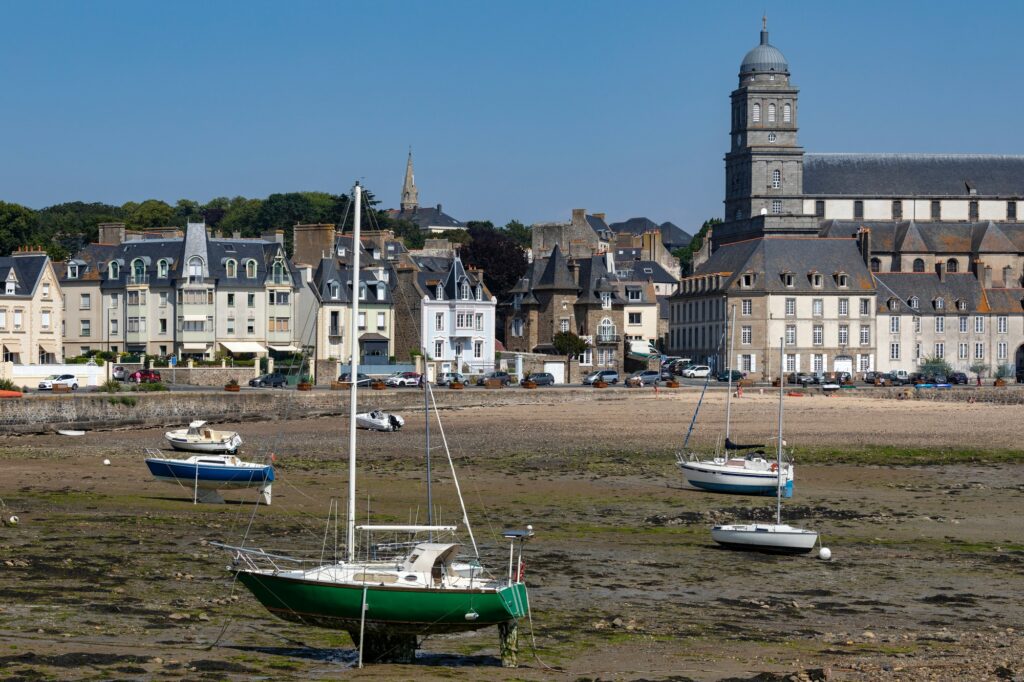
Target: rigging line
{"points": [[707, 380], [455, 477]]}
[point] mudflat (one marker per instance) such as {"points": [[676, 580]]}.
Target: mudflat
{"points": [[110, 575]]}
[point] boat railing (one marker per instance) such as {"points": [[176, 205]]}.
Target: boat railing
{"points": [[258, 559]]}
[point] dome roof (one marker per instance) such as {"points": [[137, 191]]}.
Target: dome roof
{"points": [[764, 58]]}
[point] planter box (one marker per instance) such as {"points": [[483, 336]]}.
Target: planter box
{"points": [[776, 383], [232, 388], [304, 386], [674, 384], [493, 383], [456, 386], [378, 385], [600, 384], [997, 382], [529, 384], [340, 385], [745, 383], [61, 388]]}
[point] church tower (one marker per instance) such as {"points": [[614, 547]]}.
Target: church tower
{"points": [[764, 165], [410, 196]]}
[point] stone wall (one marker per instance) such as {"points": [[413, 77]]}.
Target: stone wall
{"points": [[208, 376], [101, 411], [327, 371], [407, 303]]}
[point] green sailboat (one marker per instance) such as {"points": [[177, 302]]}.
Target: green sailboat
{"points": [[390, 599]]}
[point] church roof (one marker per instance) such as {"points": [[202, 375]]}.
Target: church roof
{"points": [[907, 175], [424, 217]]}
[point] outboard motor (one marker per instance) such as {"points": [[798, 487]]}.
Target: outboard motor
{"points": [[395, 423]]}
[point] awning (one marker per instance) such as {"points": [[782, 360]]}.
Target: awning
{"points": [[285, 349], [195, 346], [244, 346], [195, 318], [48, 348], [373, 336]]}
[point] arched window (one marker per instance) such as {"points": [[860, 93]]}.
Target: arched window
{"points": [[771, 113], [231, 267], [465, 291], [195, 267], [138, 269], [918, 265], [787, 113], [776, 179], [162, 268], [250, 269], [606, 328], [952, 265], [113, 270], [439, 292], [757, 112], [278, 270], [876, 265]]}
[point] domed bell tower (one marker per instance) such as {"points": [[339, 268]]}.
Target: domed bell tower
{"points": [[764, 165]]}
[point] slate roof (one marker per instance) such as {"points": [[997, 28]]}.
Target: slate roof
{"points": [[88, 260], [450, 273], [555, 274], [769, 258], [594, 278], [334, 270], [1005, 301], [933, 236], [644, 270], [927, 287], [920, 175], [599, 226], [27, 269], [424, 217], [672, 236]]}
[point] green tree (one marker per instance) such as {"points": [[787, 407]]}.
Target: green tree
{"points": [[936, 366], [19, 226], [150, 213], [520, 233], [980, 368], [497, 254], [569, 345], [685, 254]]}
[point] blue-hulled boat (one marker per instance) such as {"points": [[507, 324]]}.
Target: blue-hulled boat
{"points": [[206, 474]]}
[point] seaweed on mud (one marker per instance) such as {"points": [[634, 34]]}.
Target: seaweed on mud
{"points": [[951, 599], [793, 512], [74, 659]]}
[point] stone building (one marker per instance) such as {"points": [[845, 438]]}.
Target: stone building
{"points": [[31, 309]]}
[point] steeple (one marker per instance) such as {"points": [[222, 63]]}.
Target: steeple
{"points": [[410, 196]]}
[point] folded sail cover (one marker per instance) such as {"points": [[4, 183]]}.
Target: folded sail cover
{"points": [[729, 445]]}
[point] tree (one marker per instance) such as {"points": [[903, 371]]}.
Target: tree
{"points": [[935, 366], [980, 368], [19, 226], [685, 254], [519, 232], [151, 213], [569, 345], [498, 255]]}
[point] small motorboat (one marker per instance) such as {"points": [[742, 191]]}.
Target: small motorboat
{"points": [[765, 537], [198, 437], [206, 474], [70, 432], [379, 420]]}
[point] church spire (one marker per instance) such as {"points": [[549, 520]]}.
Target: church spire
{"points": [[410, 196]]}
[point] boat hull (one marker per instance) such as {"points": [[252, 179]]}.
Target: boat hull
{"points": [[229, 445], [211, 477], [394, 609], [763, 537], [720, 479]]}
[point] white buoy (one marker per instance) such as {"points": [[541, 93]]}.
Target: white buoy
{"points": [[825, 554], [106, 462], [13, 521]]}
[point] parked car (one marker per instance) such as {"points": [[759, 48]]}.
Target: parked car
{"points": [[119, 373], [666, 373], [724, 375], [503, 377], [802, 378], [145, 376], [644, 377], [448, 378], [403, 379], [958, 378], [361, 379], [607, 375], [68, 380], [696, 371], [540, 378], [274, 380]]}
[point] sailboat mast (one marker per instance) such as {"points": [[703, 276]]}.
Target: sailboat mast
{"points": [[353, 368], [778, 452], [728, 368], [426, 416]]}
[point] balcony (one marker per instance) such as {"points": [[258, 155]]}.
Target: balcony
{"points": [[138, 278], [607, 338], [334, 331]]}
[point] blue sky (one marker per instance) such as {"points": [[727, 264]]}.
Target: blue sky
{"points": [[513, 109]]}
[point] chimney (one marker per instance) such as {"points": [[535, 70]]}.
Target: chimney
{"points": [[579, 215], [940, 268], [310, 243], [574, 268], [237, 234], [1007, 276], [599, 216], [986, 280], [864, 244], [111, 233]]}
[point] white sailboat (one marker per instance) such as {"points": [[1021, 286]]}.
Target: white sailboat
{"points": [[391, 594], [740, 469], [769, 537]]}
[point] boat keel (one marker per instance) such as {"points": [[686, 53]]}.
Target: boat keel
{"points": [[381, 646]]}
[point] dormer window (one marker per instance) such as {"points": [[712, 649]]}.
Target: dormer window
{"points": [[788, 279], [517, 301], [341, 251], [335, 289], [914, 303], [747, 280], [961, 305], [380, 291], [894, 305], [816, 280], [231, 268], [161, 268], [11, 288], [362, 291], [113, 270], [195, 267], [440, 292], [843, 280], [464, 291], [606, 300], [940, 304], [479, 292], [250, 269], [73, 271]]}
